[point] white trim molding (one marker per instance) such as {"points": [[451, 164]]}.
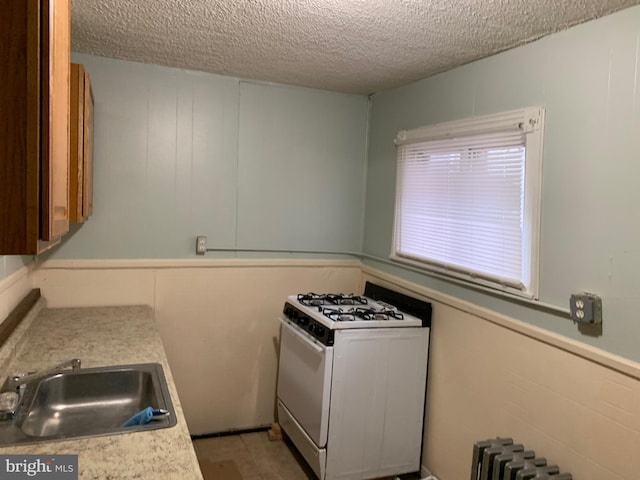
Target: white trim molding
{"points": [[132, 264], [15, 277], [13, 289], [575, 347]]}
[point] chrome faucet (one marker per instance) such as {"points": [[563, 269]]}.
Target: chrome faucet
{"points": [[13, 383], [13, 388]]}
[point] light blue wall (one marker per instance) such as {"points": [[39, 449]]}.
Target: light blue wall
{"points": [[588, 80], [250, 165]]}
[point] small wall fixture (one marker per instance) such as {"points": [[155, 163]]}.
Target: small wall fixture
{"points": [[201, 245], [586, 308]]}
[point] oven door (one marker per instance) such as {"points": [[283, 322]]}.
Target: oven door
{"points": [[304, 380]]}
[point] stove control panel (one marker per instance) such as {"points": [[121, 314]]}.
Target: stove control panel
{"points": [[314, 328]]}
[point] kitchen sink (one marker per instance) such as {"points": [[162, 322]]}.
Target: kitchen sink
{"points": [[89, 402]]}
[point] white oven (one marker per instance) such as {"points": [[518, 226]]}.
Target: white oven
{"points": [[352, 382], [304, 387], [304, 380]]}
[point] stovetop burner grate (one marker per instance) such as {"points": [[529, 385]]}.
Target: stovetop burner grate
{"points": [[316, 300], [311, 299], [359, 313]]}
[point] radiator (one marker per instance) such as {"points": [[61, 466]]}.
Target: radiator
{"points": [[501, 459]]}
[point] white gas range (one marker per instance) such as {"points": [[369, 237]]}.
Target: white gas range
{"points": [[352, 381]]}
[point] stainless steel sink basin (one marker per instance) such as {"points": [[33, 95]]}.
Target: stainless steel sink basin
{"points": [[89, 402]]}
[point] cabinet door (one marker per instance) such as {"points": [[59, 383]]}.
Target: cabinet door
{"points": [[76, 154], [81, 142], [87, 196], [55, 45], [19, 126]]}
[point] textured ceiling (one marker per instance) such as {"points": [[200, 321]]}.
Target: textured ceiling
{"points": [[356, 46]]}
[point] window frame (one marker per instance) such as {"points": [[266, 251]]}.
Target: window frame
{"points": [[531, 122]]}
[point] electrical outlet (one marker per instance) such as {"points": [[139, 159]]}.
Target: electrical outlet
{"points": [[201, 245], [586, 308]]}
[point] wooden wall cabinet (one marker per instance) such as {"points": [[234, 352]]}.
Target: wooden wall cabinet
{"points": [[81, 151], [34, 124]]}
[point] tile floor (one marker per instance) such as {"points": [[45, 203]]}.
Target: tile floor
{"points": [[259, 458], [256, 457]]}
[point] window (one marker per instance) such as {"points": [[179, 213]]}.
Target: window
{"points": [[467, 199]]}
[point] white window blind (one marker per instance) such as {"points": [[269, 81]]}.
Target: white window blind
{"points": [[465, 204]]}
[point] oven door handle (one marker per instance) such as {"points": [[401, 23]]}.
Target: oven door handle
{"points": [[302, 338]]}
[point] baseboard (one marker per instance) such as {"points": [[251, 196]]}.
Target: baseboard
{"points": [[424, 472], [228, 433]]}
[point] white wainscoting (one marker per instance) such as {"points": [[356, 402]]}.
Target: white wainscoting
{"points": [[218, 320], [490, 375]]}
